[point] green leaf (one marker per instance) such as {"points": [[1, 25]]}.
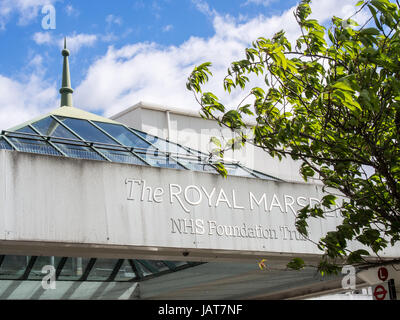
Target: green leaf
{"points": [[258, 92], [333, 106], [216, 141], [356, 256], [329, 200], [296, 264], [221, 169], [245, 109], [342, 86], [370, 31]]}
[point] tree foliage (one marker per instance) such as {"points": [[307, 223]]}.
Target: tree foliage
{"points": [[332, 101]]}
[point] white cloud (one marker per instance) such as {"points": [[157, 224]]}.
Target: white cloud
{"points": [[153, 73], [71, 11], [148, 71], [264, 3], [43, 38], [25, 99], [167, 28], [112, 19], [74, 41], [204, 7], [27, 96]]}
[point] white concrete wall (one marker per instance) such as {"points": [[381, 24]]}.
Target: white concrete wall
{"points": [[189, 129], [67, 203], [80, 202]]}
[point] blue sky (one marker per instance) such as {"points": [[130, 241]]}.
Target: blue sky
{"points": [[127, 51]]}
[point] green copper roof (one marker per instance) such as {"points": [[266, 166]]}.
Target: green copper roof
{"points": [[70, 112]]}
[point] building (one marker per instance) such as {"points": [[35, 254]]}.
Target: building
{"points": [[189, 129], [101, 208]]}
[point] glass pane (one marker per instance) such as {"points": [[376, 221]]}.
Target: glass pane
{"points": [[163, 145], [161, 161], [235, 170], [195, 165], [36, 272], [121, 156], [200, 153], [124, 136], [50, 127], [34, 146], [79, 151], [154, 266], [102, 269], [263, 176], [13, 267], [141, 269], [87, 131], [26, 130], [4, 144], [73, 268], [178, 264], [125, 273]]}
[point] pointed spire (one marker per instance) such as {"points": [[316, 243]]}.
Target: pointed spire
{"points": [[66, 90]]}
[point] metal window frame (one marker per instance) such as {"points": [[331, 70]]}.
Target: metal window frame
{"points": [[167, 154], [198, 157], [148, 266], [88, 269], [77, 135], [28, 268], [170, 265], [264, 174], [61, 266], [167, 141], [136, 269], [30, 136], [9, 141], [203, 164], [134, 133], [247, 170], [2, 259], [74, 142], [114, 139], [47, 140], [92, 145], [115, 270], [60, 140], [108, 135]]}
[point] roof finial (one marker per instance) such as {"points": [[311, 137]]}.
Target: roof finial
{"points": [[66, 90]]}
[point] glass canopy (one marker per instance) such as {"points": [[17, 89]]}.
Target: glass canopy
{"points": [[16, 267], [94, 140]]}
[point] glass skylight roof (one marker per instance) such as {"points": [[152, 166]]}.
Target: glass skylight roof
{"points": [[95, 140], [14, 267]]}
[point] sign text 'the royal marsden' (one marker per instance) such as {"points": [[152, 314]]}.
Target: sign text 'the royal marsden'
{"points": [[195, 195]]}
